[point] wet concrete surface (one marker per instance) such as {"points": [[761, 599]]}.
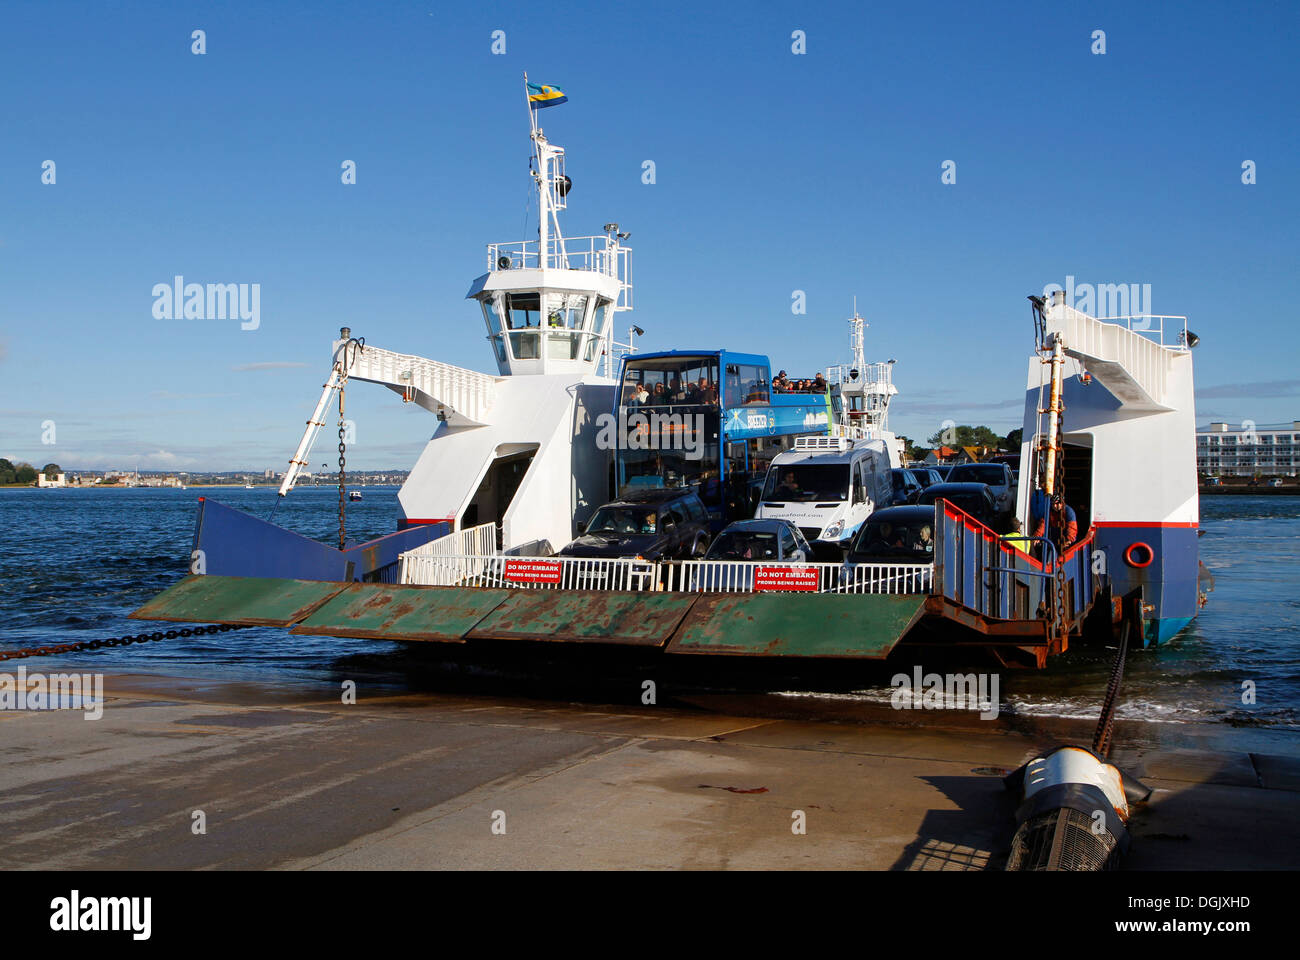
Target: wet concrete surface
{"points": [[287, 776]]}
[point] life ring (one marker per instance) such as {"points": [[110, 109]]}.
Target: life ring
{"points": [[1128, 555]]}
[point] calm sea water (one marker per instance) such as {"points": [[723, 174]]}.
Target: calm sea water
{"points": [[73, 563]]}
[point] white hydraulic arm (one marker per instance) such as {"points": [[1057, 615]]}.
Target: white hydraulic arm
{"points": [[314, 423]]}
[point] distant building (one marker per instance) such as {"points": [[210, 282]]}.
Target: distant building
{"points": [[1272, 449], [942, 455], [60, 480]]}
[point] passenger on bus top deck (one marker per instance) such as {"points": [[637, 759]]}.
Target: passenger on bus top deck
{"points": [[819, 384], [658, 398], [641, 396]]}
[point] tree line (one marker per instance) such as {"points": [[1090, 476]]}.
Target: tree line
{"points": [[954, 438], [25, 473]]}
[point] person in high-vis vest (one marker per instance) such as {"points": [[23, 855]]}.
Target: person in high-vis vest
{"points": [[1016, 538]]}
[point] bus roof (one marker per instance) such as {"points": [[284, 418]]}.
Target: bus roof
{"points": [[729, 356]]}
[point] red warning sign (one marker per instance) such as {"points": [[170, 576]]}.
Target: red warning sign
{"points": [[533, 571], [785, 578]]}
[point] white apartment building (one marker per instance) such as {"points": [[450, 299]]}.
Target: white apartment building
{"points": [[1270, 449]]}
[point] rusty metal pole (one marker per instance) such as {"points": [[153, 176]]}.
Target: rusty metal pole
{"points": [[1053, 442]]}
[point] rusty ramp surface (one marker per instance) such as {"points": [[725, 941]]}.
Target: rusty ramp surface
{"points": [[586, 616], [239, 601], [380, 611], [787, 625]]}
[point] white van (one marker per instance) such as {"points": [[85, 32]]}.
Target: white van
{"points": [[827, 487]]}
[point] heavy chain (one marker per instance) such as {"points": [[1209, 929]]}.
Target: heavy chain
{"points": [[350, 350], [52, 649], [343, 466]]}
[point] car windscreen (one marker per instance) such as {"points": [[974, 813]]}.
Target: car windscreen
{"points": [[744, 545], [625, 521], [807, 482], [987, 473], [887, 539]]}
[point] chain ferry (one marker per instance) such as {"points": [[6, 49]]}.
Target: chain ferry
{"points": [[521, 459]]}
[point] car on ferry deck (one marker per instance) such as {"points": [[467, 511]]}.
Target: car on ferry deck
{"points": [[974, 498], [906, 486], [996, 476], [895, 535], [746, 544], [778, 541], [653, 524], [927, 476]]}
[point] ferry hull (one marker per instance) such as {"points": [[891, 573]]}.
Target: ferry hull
{"points": [[1167, 574]]}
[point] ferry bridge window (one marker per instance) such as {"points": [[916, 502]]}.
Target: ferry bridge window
{"points": [[492, 314], [523, 310], [672, 381], [568, 311], [746, 383]]}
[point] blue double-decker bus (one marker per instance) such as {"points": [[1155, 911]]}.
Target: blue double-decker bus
{"points": [[708, 419]]}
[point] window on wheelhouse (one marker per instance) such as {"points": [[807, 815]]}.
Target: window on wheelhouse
{"points": [[492, 315]]}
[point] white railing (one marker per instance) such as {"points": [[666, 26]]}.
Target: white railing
{"points": [[537, 573], [480, 541], [747, 576], [1138, 350], [689, 576], [593, 254], [1166, 330], [466, 392]]}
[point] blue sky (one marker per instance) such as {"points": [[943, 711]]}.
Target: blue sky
{"points": [[775, 172]]}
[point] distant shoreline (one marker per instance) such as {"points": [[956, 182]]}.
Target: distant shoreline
{"points": [[1235, 491]]}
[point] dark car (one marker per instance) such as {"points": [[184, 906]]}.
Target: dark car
{"points": [[906, 486], [974, 498], [942, 470], [752, 542], [775, 540], [895, 535], [927, 476], [651, 524]]}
